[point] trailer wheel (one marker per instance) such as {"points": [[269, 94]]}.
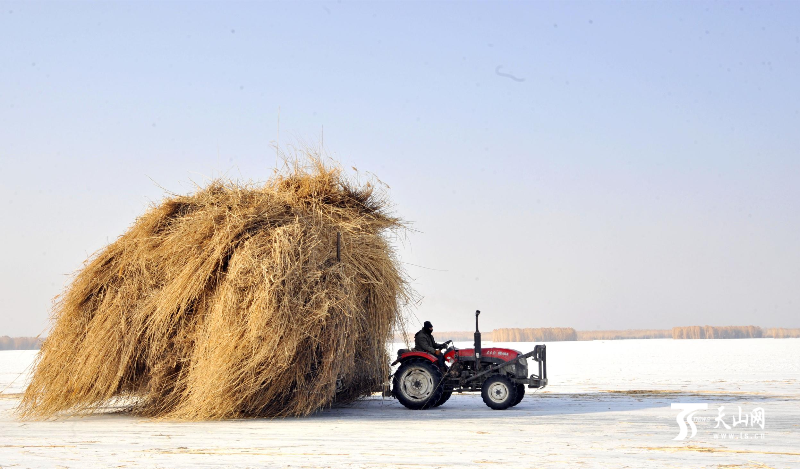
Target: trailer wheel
{"points": [[520, 394], [499, 392], [445, 396], [418, 384]]}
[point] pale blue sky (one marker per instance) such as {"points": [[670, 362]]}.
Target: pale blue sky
{"points": [[639, 168]]}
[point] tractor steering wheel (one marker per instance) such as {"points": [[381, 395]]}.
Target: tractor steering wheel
{"points": [[448, 350]]}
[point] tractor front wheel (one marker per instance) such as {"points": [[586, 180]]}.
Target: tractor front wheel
{"points": [[499, 392], [520, 394], [418, 384]]}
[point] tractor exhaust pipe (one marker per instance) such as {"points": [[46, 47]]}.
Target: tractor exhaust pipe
{"points": [[477, 342]]}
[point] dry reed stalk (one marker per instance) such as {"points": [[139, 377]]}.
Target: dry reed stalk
{"points": [[229, 303], [716, 332]]}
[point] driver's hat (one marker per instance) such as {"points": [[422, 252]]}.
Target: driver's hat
{"points": [[427, 325]]}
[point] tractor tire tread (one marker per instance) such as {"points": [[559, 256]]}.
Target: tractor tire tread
{"points": [[445, 396], [520, 394]]}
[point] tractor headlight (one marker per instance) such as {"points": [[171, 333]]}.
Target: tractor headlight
{"points": [[522, 367]]}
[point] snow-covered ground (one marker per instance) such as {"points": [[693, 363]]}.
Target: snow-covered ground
{"points": [[608, 405]]}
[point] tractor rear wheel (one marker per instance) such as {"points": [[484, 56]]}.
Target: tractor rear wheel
{"points": [[418, 384], [499, 392], [520, 394], [445, 396]]}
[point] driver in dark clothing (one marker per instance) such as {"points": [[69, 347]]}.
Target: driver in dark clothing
{"points": [[424, 342]]}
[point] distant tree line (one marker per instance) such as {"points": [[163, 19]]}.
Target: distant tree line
{"points": [[781, 333], [732, 332], [20, 343], [457, 335], [555, 334], [625, 334], [537, 334], [507, 335], [568, 333], [716, 332]]}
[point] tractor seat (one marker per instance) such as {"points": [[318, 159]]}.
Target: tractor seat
{"points": [[402, 351]]}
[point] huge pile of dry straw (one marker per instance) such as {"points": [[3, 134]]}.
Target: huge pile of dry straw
{"points": [[231, 303]]}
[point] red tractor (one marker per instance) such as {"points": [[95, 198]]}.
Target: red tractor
{"points": [[424, 381]]}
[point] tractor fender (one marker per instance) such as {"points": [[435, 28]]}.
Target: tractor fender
{"points": [[408, 355]]}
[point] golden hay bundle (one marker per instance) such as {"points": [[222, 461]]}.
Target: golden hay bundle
{"points": [[231, 303]]}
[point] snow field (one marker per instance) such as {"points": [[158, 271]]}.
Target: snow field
{"points": [[608, 405]]}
